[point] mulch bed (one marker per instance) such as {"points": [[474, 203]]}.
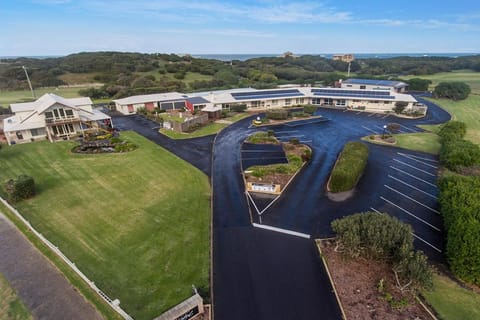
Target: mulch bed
{"points": [[357, 283]]}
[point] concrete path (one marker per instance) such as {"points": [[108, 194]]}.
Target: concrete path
{"points": [[39, 284]]}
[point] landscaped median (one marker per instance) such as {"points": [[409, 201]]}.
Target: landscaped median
{"points": [[349, 167], [137, 223]]}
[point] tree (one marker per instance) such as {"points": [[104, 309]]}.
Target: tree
{"points": [[400, 106], [21, 188], [418, 84], [452, 90]]}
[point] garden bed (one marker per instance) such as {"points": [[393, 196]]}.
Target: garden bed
{"points": [[366, 288], [107, 143]]}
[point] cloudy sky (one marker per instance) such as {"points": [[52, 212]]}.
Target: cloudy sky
{"points": [[57, 27]]}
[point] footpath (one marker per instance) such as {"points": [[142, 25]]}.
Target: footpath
{"points": [[39, 284]]}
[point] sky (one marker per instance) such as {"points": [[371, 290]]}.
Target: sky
{"points": [[59, 27]]}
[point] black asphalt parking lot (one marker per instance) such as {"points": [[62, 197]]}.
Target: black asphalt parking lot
{"points": [[261, 274]]}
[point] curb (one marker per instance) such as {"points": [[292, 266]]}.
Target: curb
{"points": [[317, 242]]}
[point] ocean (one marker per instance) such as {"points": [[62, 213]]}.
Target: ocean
{"points": [[246, 56]]}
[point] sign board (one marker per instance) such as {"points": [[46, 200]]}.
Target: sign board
{"points": [[189, 314]]}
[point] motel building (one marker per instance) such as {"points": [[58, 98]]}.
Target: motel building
{"points": [[360, 94], [52, 117]]}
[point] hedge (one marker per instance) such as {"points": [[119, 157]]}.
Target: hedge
{"points": [[460, 208], [349, 167], [459, 153], [453, 130], [277, 114]]}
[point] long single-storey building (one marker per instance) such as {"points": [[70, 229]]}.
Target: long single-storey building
{"points": [[52, 117], [370, 95]]}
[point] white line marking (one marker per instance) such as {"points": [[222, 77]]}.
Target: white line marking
{"points": [[411, 214], [286, 131], [409, 129], [411, 155], [359, 112], [413, 234], [369, 129], [410, 198], [251, 199], [411, 175], [371, 114], [413, 167], [427, 243], [413, 187], [427, 164], [269, 205], [260, 151], [386, 116], [290, 232], [305, 141], [345, 110], [271, 158], [293, 136]]}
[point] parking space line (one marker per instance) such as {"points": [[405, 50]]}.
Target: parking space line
{"points": [[422, 162], [417, 157], [411, 175], [306, 141], [358, 112], [426, 242], [285, 231], [286, 131], [413, 234], [371, 114], [292, 136], [272, 158], [410, 198], [269, 205], [369, 129], [386, 116], [411, 214], [254, 204], [413, 167], [407, 128], [345, 110], [260, 151], [413, 187]]}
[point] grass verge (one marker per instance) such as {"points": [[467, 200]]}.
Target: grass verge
{"points": [[136, 224], [425, 142], [451, 301], [11, 307], [349, 167]]}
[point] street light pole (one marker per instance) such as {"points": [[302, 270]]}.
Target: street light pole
{"points": [[29, 83], [383, 133]]}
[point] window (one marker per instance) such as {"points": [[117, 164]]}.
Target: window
{"points": [[55, 112], [386, 102], [274, 102], [288, 101], [19, 135], [341, 102], [316, 101], [49, 115], [37, 132], [69, 112], [349, 85], [328, 101], [299, 101], [363, 87]]}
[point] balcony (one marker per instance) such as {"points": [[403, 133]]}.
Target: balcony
{"points": [[68, 119]]}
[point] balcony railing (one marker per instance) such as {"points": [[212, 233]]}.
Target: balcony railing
{"points": [[69, 119]]}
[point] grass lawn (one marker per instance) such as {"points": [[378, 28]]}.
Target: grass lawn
{"points": [[468, 76], [451, 301], [137, 224], [467, 111], [8, 97], [425, 142], [11, 307]]}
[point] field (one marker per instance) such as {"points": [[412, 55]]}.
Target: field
{"points": [[451, 301], [470, 77], [137, 224], [7, 97], [11, 308]]}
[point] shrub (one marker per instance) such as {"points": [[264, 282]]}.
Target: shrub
{"points": [[460, 208], [21, 188], [459, 152], [307, 155], [453, 130], [294, 141], [310, 109], [400, 106], [452, 90], [238, 108], [349, 167], [381, 236], [125, 147], [278, 114]]}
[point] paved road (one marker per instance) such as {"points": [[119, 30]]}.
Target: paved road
{"points": [[197, 151], [41, 287]]}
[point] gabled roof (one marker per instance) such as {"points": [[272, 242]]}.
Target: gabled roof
{"points": [[47, 100]]}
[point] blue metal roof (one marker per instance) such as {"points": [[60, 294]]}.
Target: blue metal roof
{"points": [[197, 100], [374, 82]]}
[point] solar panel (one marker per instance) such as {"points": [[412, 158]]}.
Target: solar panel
{"points": [[262, 95], [372, 82], [351, 92], [351, 95]]}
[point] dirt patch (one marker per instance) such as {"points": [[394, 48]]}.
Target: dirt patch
{"points": [[340, 196], [363, 293]]}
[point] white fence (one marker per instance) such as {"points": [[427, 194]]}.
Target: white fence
{"points": [[115, 304]]}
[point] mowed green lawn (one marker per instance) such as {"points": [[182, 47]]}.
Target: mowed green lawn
{"points": [[425, 142], [451, 301], [467, 76], [137, 224], [11, 307], [8, 97]]}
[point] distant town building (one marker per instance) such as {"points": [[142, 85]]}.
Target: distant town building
{"points": [[344, 57], [289, 54]]}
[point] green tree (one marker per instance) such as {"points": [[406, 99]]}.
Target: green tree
{"points": [[418, 84], [400, 106], [452, 90]]}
